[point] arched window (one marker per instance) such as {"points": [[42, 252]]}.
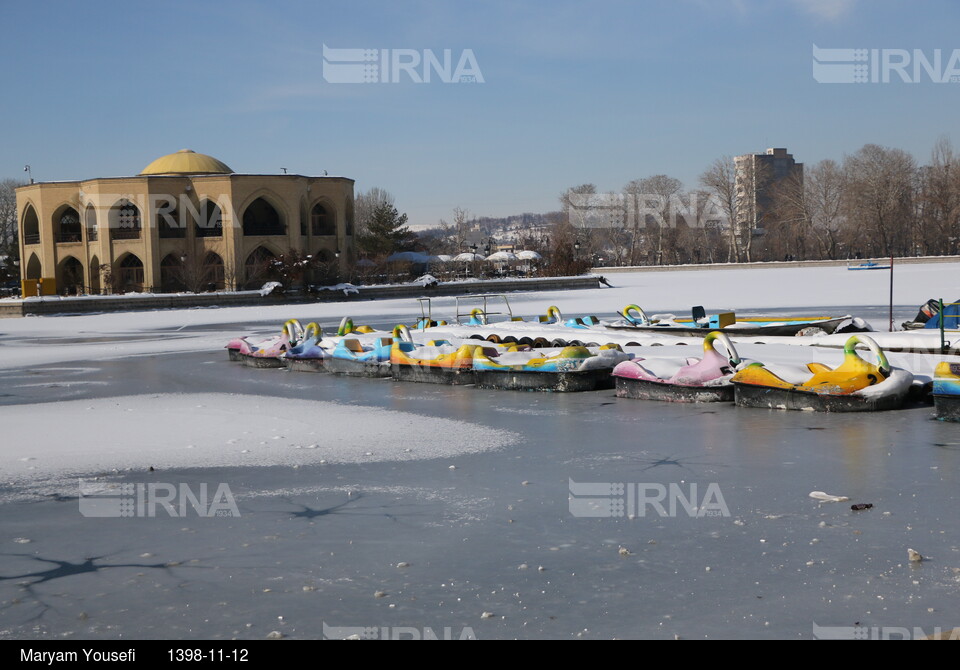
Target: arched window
{"points": [[261, 218], [125, 221], [211, 220], [34, 270], [90, 220], [68, 226], [213, 272], [129, 274], [168, 220], [322, 221], [94, 274], [172, 273], [31, 226], [70, 281], [260, 267]]}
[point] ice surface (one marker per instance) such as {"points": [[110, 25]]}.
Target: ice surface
{"points": [[482, 511]]}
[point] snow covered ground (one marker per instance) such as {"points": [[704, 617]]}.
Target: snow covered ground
{"points": [[375, 503]]}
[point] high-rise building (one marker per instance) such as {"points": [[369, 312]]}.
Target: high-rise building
{"points": [[756, 175]]}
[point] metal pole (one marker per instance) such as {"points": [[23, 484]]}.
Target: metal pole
{"points": [[891, 291], [940, 315]]}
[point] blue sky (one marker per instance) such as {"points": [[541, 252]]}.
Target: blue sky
{"points": [[574, 92]]}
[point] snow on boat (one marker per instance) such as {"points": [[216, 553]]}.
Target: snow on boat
{"points": [[355, 358], [946, 391], [292, 332], [437, 362], [704, 379], [869, 265], [565, 370], [311, 353], [855, 385], [635, 319]]}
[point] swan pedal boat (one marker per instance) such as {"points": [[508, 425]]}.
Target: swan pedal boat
{"points": [[341, 354], [437, 362], [569, 369], [946, 391], [269, 353], [704, 379], [291, 333], [856, 385]]}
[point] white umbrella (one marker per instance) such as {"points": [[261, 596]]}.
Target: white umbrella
{"points": [[441, 258], [467, 257], [502, 257], [528, 255]]}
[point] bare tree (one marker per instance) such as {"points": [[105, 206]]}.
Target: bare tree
{"points": [[823, 204], [365, 204], [938, 201], [879, 191], [574, 206], [720, 181], [455, 234], [9, 239], [653, 200]]}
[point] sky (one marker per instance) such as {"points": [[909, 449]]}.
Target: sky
{"points": [[562, 93]]}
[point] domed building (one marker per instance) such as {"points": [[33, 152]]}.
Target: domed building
{"points": [[186, 222]]}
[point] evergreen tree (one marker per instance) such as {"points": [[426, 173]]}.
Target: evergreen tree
{"points": [[386, 233]]}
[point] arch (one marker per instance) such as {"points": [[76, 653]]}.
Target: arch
{"points": [[262, 218], [260, 267], [94, 275], [323, 219], [169, 225], [303, 217], [70, 276], [31, 226], [34, 268], [129, 274], [125, 221], [172, 273], [90, 221], [210, 223], [66, 224], [213, 271]]}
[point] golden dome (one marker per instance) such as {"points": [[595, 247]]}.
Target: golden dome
{"points": [[186, 161]]}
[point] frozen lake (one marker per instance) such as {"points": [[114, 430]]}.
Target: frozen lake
{"points": [[339, 506], [476, 529]]}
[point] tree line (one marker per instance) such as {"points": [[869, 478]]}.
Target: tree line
{"points": [[876, 202]]}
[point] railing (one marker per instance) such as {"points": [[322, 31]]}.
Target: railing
{"points": [[209, 231], [125, 233], [31, 239], [264, 231], [66, 238], [167, 233], [92, 235]]}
